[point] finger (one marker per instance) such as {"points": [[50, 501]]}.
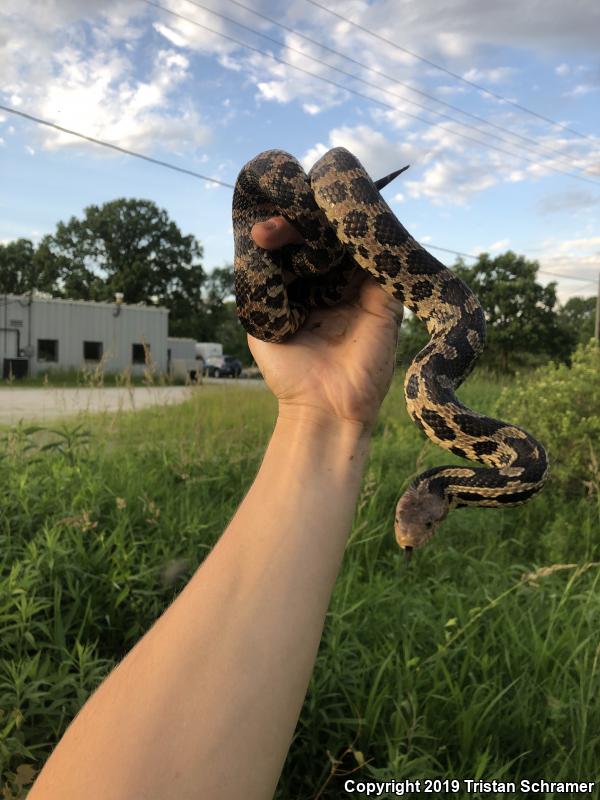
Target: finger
{"points": [[274, 233]]}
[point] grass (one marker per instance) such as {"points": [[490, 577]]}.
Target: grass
{"points": [[472, 663], [72, 378]]}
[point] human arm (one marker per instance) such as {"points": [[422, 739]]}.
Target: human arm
{"points": [[205, 704]]}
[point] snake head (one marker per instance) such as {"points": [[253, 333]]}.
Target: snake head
{"points": [[418, 514]]}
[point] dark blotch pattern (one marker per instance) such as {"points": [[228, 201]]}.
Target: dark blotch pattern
{"points": [[420, 262], [474, 425], [485, 448], [388, 230], [344, 160], [454, 292], [421, 290], [362, 190], [356, 224], [517, 497], [438, 424], [334, 193], [388, 262], [412, 387], [458, 451]]}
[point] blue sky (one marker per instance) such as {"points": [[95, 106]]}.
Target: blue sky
{"points": [[137, 76]]}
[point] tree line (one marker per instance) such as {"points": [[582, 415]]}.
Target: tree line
{"points": [[132, 246]]}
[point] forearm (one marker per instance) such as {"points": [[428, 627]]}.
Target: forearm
{"points": [[206, 703]]}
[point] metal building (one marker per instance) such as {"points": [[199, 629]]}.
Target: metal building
{"points": [[40, 333]]}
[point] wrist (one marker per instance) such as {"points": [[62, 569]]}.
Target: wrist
{"points": [[317, 421], [311, 436]]}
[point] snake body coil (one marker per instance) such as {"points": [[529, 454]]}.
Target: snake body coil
{"points": [[347, 226]]}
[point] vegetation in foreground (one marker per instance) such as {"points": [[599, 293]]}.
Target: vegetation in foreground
{"points": [[480, 660]]}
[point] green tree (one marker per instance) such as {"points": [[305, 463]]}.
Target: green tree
{"points": [[578, 316], [129, 246], [524, 323], [521, 314], [22, 269]]}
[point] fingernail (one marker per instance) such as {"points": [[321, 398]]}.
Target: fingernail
{"points": [[270, 225]]}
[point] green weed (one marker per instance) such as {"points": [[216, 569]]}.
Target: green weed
{"points": [[480, 659]]}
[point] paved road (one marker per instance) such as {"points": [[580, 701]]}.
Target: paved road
{"points": [[49, 403]]}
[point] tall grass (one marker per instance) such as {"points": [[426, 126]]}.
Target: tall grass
{"points": [[475, 661]]}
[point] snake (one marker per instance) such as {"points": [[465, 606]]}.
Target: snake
{"points": [[348, 227]]}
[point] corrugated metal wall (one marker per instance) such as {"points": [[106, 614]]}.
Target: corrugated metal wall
{"points": [[71, 322]]}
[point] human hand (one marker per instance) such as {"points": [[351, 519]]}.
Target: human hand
{"points": [[339, 365]]}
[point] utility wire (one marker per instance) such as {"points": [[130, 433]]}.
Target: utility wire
{"points": [[374, 71], [114, 146], [364, 96], [166, 164], [542, 271], [449, 72]]}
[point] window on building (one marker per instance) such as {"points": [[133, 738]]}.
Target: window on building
{"points": [[47, 349], [138, 355], [92, 351]]}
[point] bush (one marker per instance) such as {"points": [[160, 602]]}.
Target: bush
{"points": [[560, 406]]}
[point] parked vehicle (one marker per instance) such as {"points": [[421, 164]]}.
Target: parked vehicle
{"points": [[205, 350], [222, 366]]}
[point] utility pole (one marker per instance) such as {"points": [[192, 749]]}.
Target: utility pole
{"points": [[597, 331]]}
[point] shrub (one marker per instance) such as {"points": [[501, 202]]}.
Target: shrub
{"points": [[560, 405]]}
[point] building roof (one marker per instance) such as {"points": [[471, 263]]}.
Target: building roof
{"points": [[43, 297]]}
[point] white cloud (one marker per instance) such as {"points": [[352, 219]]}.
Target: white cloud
{"points": [[580, 90], [67, 64], [172, 36], [451, 90], [378, 155], [447, 181], [501, 244], [494, 75], [579, 258], [562, 70]]}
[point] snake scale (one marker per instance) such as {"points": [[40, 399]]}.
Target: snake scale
{"points": [[347, 226]]}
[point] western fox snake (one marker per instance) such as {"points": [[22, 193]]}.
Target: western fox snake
{"points": [[347, 226]]}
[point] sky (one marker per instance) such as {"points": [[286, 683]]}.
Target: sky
{"points": [[517, 81]]}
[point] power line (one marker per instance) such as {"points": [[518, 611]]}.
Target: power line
{"points": [[449, 72], [114, 146], [374, 71], [541, 271], [364, 96], [166, 164]]}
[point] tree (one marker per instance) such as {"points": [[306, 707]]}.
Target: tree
{"points": [[578, 317], [129, 246], [22, 269], [521, 314], [523, 322]]}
